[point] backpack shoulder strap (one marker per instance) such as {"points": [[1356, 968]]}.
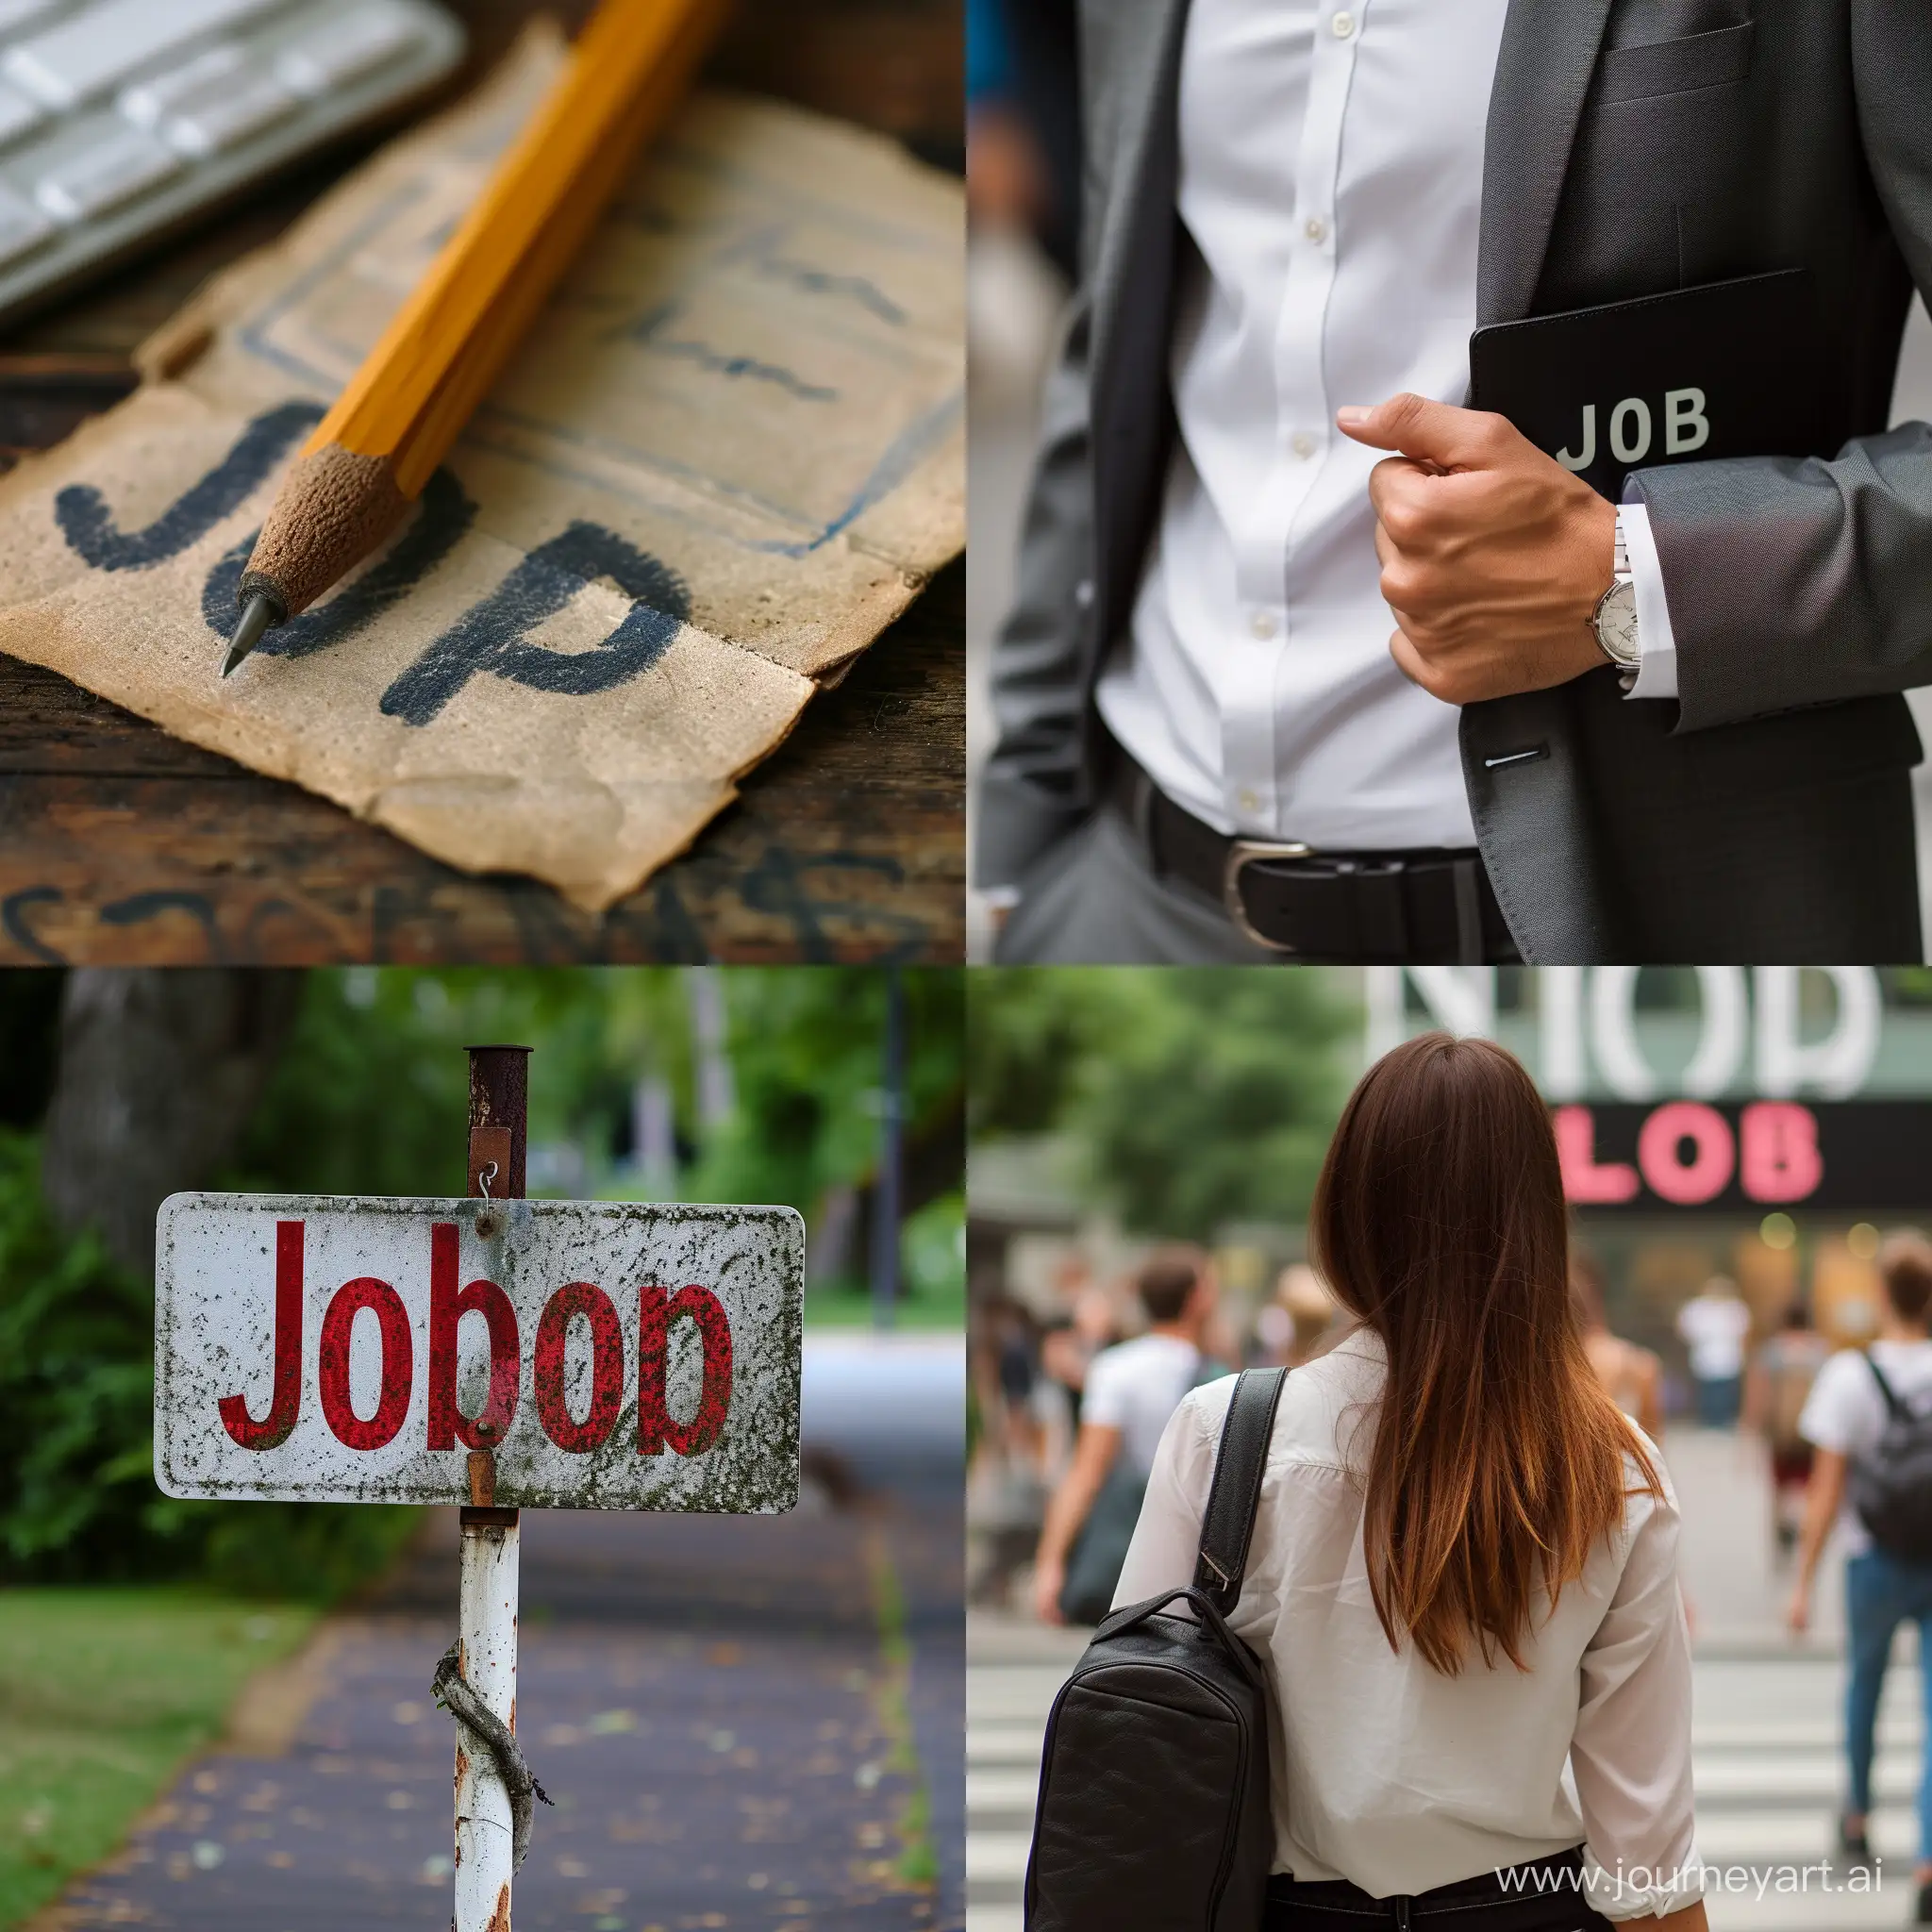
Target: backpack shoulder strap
{"points": [[1893, 1407], [1229, 1522]]}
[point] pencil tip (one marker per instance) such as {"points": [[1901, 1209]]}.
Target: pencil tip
{"points": [[258, 614]]}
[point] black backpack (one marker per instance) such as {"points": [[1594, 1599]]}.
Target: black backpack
{"points": [[1154, 1810], [1892, 1488]]}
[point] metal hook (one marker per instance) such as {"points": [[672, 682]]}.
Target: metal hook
{"points": [[484, 1176]]}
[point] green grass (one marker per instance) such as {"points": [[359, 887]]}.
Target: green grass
{"points": [[102, 1693], [848, 1304], [918, 1861]]}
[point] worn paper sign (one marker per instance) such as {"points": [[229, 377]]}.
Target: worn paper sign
{"points": [[729, 454], [611, 1355]]}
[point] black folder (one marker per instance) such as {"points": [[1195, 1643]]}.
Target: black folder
{"points": [[1733, 368]]}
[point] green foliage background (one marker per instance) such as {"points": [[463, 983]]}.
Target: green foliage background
{"points": [[1195, 1098], [370, 1095]]}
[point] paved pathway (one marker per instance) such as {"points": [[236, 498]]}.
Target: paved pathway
{"points": [[708, 1699]]}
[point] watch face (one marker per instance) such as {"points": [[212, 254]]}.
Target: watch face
{"points": [[1616, 625]]}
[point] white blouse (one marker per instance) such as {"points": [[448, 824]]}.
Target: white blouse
{"points": [[1385, 1771]]}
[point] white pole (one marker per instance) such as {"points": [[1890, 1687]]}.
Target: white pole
{"points": [[487, 1628]]}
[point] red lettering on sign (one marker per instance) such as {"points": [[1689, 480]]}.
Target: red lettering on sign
{"points": [[285, 1404], [658, 1429], [607, 1367], [448, 1425], [398, 1363], [1777, 1140], [1583, 1179], [1706, 1174]]}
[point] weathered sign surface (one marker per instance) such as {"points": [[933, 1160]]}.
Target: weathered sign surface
{"points": [[613, 1356]]}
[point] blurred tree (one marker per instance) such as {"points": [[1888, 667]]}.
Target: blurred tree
{"points": [[805, 1061], [158, 1072], [1033, 1033], [1198, 1097]]}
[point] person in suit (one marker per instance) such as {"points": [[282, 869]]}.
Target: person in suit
{"points": [[1667, 729]]}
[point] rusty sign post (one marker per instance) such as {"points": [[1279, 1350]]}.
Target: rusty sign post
{"points": [[492, 1352], [487, 1850]]}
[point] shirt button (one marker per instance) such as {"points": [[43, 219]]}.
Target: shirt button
{"points": [[1342, 25], [1262, 623], [1248, 801], [1303, 443], [1317, 230], [1083, 592]]}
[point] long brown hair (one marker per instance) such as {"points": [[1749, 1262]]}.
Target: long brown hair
{"points": [[1498, 1459]]}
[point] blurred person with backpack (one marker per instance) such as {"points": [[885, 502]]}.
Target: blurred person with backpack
{"points": [[1450, 1556], [1131, 1390], [1777, 1388], [1870, 1419]]}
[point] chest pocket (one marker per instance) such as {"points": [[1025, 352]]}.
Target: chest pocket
{"points": [[1649, 71], [1644, 22]]}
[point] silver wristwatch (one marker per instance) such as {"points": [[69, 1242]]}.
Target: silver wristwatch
{"points": [[1614, 620]]}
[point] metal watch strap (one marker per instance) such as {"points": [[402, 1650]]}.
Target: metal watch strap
{"points": [[1229, 1524], [1621, 574]]}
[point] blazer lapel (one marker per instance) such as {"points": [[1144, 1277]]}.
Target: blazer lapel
{"points": [[1133, 51], [1133, 56], [1542, 73]]}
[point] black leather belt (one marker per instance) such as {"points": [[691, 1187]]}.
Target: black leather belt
{"points": [[1545, 1896], [1431, 907]]}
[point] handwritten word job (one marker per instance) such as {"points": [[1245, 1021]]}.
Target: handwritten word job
{"points": [[492, 638]]}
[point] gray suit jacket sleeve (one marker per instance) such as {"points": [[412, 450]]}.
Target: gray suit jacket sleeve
{"points": [[1804, 582], [1033, 791]]}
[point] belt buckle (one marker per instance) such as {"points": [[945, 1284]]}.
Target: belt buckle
{"points": [[1241, 855]]}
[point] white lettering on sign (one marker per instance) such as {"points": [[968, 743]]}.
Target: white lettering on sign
{"points": [[1687, 428], [612, 1355]]}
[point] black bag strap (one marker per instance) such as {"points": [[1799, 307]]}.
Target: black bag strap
{"points": [[1229, 1523], [1893, 1407]]}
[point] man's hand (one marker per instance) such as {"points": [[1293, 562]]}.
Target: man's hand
{"points": [[1493, 555]]}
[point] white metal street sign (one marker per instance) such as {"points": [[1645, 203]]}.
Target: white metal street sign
{"points": [[612, 1356]]}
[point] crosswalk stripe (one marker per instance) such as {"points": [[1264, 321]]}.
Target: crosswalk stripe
{"points": [[1768, 1786]]}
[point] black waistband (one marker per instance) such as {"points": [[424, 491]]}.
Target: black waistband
{"points": [[1428, 907], [1544, 1891]]}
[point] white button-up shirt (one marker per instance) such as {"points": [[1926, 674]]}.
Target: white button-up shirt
{"points": [[1387, 1772], [1330, 181]]}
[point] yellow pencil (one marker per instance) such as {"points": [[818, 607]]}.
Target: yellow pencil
{"points": [[352, 481]]}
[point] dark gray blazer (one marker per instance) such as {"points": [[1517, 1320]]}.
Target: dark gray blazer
{"points": [[1634, 146]]}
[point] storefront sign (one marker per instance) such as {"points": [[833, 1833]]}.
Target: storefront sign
{"points": [[1748, 1156]]}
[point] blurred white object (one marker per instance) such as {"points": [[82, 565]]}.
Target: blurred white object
{"points": [[1013, 304]]}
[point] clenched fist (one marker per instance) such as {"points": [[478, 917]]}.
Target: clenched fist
{"points": [[1493, 555]]}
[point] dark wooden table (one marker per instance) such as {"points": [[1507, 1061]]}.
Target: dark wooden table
{"points": [[120, 844]]}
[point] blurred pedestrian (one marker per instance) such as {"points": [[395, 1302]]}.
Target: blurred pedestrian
{"points": [[1715, 1324], [1868, 1420], [1632, 1377], [1131, 1391], [1777, 1385], [1292, 1327], [1005, 1365], [1071, 1342], [1444, 1628]]}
